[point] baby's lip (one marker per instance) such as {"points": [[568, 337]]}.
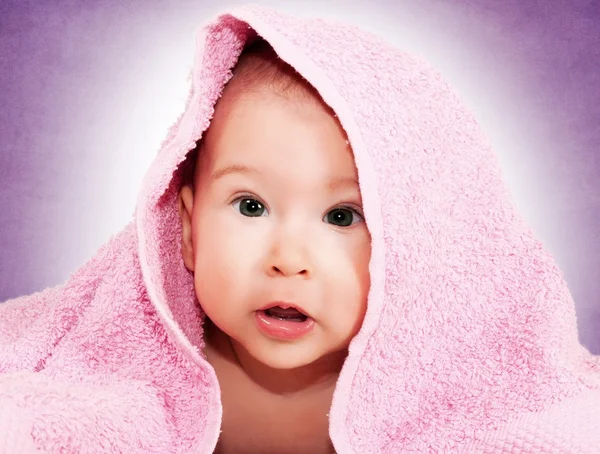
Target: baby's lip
{"points": [[285, 305]]}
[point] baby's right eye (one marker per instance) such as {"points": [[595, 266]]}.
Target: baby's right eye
{"points": [[249, 207]]}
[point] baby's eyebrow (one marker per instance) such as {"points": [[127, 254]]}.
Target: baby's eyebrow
{"points": [[341, 182], [232, 169], [333, 184]]}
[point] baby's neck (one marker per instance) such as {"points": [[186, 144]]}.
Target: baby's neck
{"points": [[313, 379]]}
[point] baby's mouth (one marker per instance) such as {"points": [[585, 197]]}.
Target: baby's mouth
{"points": [[291, 314], [283, 321]]}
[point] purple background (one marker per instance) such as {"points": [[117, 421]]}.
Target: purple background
{"points": [[90, 88]]}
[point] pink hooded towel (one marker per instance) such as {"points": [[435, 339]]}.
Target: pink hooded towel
{"points": [[469, 343]]}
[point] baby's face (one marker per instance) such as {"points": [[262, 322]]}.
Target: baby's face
{"points": [[277, 217]]}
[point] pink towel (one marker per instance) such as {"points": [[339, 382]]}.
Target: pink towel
{"points": [[469, 343]]}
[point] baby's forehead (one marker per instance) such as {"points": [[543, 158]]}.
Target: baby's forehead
{"points": [[262, 122], [267, 108]]}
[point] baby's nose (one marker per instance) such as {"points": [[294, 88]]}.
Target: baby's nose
{"points": [[289, 270]]}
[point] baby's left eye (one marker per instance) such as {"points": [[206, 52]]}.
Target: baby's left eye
{"points": [[342, 217]]}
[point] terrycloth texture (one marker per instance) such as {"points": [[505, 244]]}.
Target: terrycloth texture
{"points": [[469, 343]]}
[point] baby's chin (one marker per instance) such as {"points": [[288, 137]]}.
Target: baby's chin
{"points": [[286, 356], [283, 355], [310, 351]]}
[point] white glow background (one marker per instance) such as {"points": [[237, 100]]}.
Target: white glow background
{"points": [[89, 90]]}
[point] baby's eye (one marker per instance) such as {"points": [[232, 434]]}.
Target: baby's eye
{"points": [[250, 207], [342, 217]]}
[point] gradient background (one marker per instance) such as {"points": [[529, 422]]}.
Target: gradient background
{"points": [[89, 89]]}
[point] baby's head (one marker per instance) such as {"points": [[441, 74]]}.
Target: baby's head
{"points": [[273, 214]]}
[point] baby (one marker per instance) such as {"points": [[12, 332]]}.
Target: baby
{"points": [[262, 302], [273, 230]]}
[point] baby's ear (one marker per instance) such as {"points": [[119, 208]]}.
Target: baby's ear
{"points": [[185, 202]]}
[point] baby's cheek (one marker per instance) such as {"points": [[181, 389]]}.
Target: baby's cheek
{"points": [[360, 287], [361, 259], [222, 269], [345, 301]]}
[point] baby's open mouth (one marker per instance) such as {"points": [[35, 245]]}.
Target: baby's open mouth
{"points": [[291, 314], [281, 320]]}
